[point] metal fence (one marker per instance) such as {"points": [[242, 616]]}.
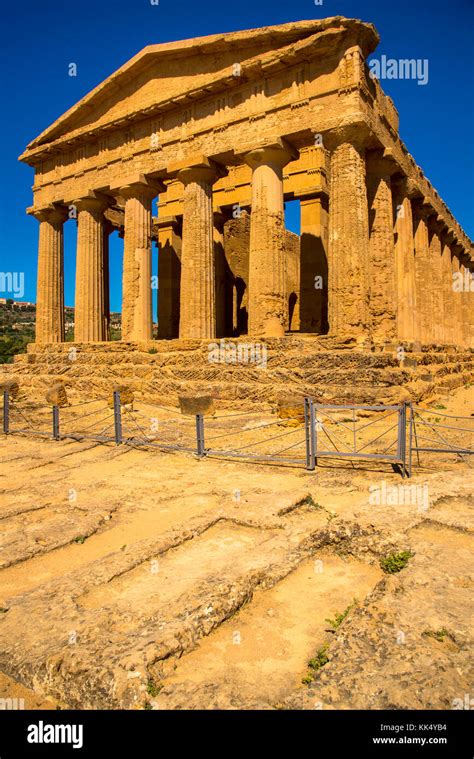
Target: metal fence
{"points": [[350, 432]]}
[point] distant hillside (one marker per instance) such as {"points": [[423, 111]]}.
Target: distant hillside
{"points": [[17, 327]]}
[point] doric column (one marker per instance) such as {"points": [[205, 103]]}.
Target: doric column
{"points": [[348, 236], [466, 298], [198, 308], [314, 233], [382, 274], [405, 262], [107, 229], [169, 276], [137, 318], [447, 283], [267, 307], [436, 330], [470, 299], [424, 274], [50, 280], [89, 324], [223, 298], [457, 296]]}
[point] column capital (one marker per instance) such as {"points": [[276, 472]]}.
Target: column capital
{"points": [[207, 171], [422, 208], [278, 154], [170, 222], [354, 134], [380, 163], [407, 187], [138, 185], [92, 202], [51, 213]]}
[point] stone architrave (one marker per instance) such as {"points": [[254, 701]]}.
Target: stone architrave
{"points": [[50, 281], [267, 307]]}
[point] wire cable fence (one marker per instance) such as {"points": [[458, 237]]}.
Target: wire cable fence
{"points": [[386, 434]]}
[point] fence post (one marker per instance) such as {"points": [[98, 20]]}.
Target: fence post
{"points": [[117, 418], [56, 422], [410, 440], [6, 412], [306, 432], [312, 435], [200, 434]]}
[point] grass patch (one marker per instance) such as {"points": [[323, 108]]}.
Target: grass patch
{"points": [[339, 618], [80, 539], [439, 406], [438, 635], [152, 689], [147, 706], [153, 350], [319, 660], [309, 501], [395, 562]]}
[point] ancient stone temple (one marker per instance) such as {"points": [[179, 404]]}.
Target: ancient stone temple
{"points": [[227, 128]]}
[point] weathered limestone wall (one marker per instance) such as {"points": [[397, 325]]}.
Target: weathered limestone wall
{"points": [[236, 248]]}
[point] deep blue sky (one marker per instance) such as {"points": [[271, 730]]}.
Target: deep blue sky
{"points": [[40, 39]]}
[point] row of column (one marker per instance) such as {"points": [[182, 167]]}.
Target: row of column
{"points": [[391, 261], [389, 267]]}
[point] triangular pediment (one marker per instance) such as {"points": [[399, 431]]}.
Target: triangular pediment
{"points": [[171, 73]]}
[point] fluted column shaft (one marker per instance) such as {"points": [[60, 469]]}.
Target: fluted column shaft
{"points": [[424, 277], [457, 299], [198, 308], [50, 280], [405, 267], [466, 305], [267, 306], [447, 279], [383, 305], [169, 275], [348, 241], [89, 324], [137, 314], [314, 264], [437, 290]]}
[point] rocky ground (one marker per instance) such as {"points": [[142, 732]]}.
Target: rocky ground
{"points": [[144, 579]]}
